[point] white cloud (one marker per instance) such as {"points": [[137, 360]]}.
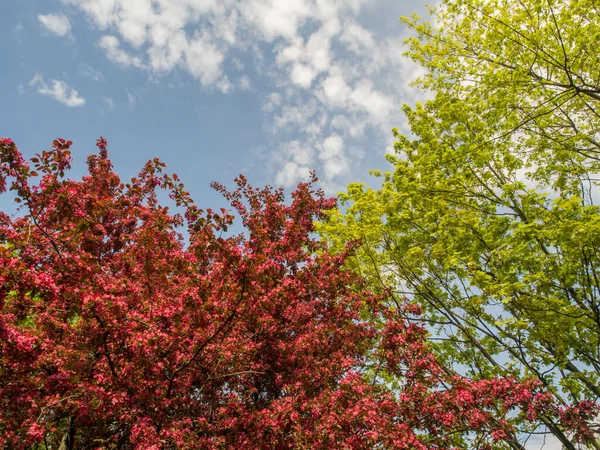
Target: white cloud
{"points": [[336, 91], [302, 155], [291, 173], [333, 157], [57, 89], [203, 60], [272, 101], [225, 85], [114, 52], [357, 38], [344, 124], [296, 163], [109, 102], [297, 116], [302, 75], [332, 147], [374, 102], [276, 18], [166, 56], [245, 84], [321, 70], [57, 24]]}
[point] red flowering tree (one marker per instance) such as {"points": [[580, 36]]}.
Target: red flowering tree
{"points": [[116, 332]]}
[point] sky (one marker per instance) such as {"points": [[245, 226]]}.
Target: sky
{"points": [[269, 88]]}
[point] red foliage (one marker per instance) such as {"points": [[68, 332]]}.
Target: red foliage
{"points": [[116, 333]]}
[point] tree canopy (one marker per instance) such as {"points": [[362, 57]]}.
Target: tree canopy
{"points": [[488, 219], [116, 332]]}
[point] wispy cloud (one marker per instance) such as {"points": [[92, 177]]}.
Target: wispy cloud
{"points": [[109, 102], [57, 89], [114, 52], [88, 71], [57, 24], [17, 32], [131, 100], [327, 79]]}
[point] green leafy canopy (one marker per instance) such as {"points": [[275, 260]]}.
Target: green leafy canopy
{"points": [[488, 219]]}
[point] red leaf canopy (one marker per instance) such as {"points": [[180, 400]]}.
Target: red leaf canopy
{"points": [[116, 332]]}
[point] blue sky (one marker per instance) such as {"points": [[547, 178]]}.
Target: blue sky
{"points": [[268, 88]]}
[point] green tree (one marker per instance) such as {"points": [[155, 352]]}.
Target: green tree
{"points": [[488, 219]]}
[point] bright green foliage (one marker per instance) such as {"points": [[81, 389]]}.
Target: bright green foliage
{"points": [[529, 74], [488, 219]]}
